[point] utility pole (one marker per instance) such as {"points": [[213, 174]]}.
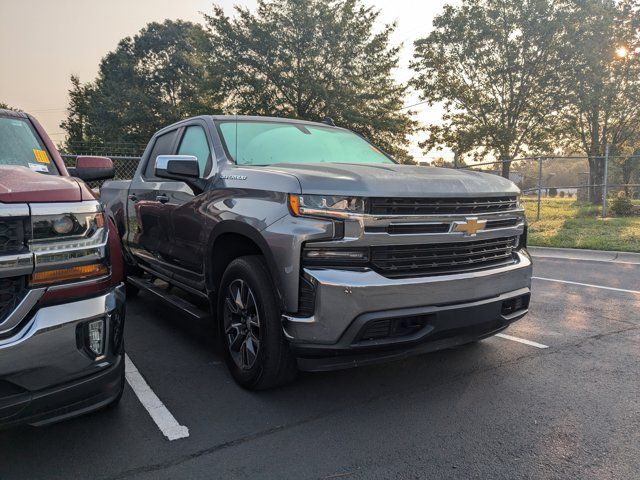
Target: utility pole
{"points": [[605, 181]]}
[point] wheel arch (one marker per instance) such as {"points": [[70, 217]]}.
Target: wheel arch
{"points": [[232, 239]]}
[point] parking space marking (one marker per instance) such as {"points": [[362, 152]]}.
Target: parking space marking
{"points": [[521, 340], [166, 422], [587, 285]]}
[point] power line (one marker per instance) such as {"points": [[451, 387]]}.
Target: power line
{"points": [[414, 105]]}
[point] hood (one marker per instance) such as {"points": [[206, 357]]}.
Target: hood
{"points": [[20, 185], [383, 180]]}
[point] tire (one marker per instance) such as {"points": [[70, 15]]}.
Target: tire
{"points": [[255, 350]]}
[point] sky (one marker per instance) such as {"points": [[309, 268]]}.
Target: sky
{"points": [[43, 42]]}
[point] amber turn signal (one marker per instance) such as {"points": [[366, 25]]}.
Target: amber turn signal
{"points": [[294, 204], [66, 274]]}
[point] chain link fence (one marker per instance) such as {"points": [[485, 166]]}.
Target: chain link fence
{"points": [[551, 184], [124, 166]]}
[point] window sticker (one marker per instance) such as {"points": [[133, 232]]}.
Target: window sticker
{"points": [[36, 167], [41, 156]]}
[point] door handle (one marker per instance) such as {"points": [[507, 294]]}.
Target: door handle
{"points": [[133, 197], [162, 198]]}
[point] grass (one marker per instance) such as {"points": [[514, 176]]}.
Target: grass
{"points": [[568, 224]]}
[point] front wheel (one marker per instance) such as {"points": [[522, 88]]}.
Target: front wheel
{"points": [[256, 352]]}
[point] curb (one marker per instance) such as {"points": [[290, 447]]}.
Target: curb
{"points": [[581, 254]]}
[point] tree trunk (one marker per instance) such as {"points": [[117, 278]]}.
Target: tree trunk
{"points": [[596, 178], [506, 166]]}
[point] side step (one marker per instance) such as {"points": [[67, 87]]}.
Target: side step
{"points": [[175, 301]]}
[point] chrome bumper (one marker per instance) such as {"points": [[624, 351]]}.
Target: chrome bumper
{"points": [[342, 296], [45, 351]]}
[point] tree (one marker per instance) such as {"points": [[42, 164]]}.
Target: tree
{"points": [[151, 80], [494, 66], [602, 73], [313, 59], [4, 106]]}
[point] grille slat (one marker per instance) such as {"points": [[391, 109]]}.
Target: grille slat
{"points": [[439, 259], [441, 206]]}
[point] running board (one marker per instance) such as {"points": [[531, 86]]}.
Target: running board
{"points": [[162, 294]]}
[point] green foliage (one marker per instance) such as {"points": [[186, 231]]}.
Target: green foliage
{"points": [[151, 80], [553, 192], [568, 224], [311, 59], [621, 205], [494, 66], [4, 106], [601, 71]]}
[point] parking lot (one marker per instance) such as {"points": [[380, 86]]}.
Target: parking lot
{"points": [[497, 409]]}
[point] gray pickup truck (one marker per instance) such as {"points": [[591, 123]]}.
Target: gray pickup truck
{"points": [[312, 249]]}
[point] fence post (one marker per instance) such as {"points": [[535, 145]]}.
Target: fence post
{"points": [[539, 187], [605, 186]]}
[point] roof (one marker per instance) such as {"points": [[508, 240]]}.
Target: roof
{"points": [[12, 113], [257, 118]]}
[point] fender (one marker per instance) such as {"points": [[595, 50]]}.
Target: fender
{"points": [[253, 234]]}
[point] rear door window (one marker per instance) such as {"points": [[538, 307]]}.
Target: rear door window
{"points": [[163, 146], [20, 145]]}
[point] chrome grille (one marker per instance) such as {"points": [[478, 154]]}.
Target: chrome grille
{"points": [[441, 206], [442, 258]]}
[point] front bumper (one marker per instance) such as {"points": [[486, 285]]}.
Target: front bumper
{"points": [[468, 306], [45, 373]]}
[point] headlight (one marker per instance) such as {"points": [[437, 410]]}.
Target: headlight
{"points": [[63, 226], [313, 256], [68, 241], [326, 205]]}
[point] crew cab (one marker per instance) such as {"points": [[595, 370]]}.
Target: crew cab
{"points": [[314, 249], [61, 283]]}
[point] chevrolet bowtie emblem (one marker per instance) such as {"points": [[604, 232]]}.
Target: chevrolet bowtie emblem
{"points": [[470, 226]]}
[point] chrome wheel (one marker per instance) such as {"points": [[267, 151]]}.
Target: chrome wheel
{"points": [[242, 324]]}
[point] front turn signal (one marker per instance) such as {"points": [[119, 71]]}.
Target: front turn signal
{"points": [[62, 275]]}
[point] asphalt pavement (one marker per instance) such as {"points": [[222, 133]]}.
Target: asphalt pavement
{"points": [[496, 409]]}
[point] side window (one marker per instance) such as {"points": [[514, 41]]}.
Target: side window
{"points": [[194, 142], [162, 146]]}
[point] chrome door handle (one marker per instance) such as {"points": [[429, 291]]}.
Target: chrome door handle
{"points": [[162, 198], [133, 197]]}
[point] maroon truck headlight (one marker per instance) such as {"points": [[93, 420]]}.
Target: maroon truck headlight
{"points": [[69, 242]]}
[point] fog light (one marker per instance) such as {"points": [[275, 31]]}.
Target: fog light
{"points": [[95, 337]]}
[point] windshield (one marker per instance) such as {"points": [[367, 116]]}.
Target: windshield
{"points": [[19, 145], [266, 143]]}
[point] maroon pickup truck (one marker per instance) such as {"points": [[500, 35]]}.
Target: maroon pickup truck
{"points": [[61, 291]]}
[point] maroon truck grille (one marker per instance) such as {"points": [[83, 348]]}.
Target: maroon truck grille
{"points": [[11, 291], [12, 237]]}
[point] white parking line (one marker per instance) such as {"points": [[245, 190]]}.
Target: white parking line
{"points": [[521, 340], [587, 285], [166, 422]]}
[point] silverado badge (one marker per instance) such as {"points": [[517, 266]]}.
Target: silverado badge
{"points": [[470, 226]]}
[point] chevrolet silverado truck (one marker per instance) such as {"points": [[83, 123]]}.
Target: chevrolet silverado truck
{"points": [[61, 283], [312, 249]]}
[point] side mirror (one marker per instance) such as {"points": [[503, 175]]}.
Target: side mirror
{"points": [[92, 168], [184, 168], [177, 167]]}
